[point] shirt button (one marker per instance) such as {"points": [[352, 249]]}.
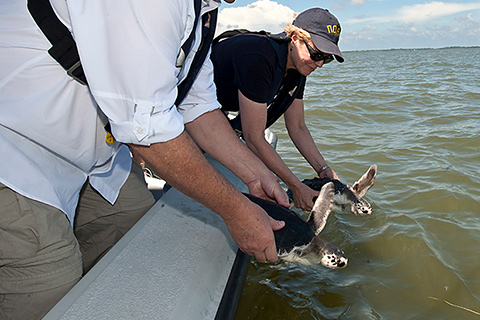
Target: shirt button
{"points": [[140, 130]]}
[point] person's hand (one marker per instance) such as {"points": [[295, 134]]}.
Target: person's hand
{"points": [[268, 188], [303, 197], [252, 229], [328, 173]]}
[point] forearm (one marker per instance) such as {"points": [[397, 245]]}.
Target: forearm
{"points": [[305, 144], [302, 195], [181, 164], [272, 160], [213, 134], [301, 137]]}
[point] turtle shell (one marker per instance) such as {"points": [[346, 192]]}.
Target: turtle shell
{"points": [[297, 232]]}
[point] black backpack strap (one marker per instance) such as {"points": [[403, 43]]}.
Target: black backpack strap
{"points": [[188, 44], [64, 49], [230, 33], [209, 22]]}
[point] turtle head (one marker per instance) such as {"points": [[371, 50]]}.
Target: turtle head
{"points": [[334, 258], [347, 200], [321, 252], [351, 198], [362, 207]]}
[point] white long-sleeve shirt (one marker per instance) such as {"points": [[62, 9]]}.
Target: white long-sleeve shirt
{"points": [[52, 135]]}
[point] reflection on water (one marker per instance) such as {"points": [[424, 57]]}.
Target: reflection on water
{"points": [[415, 113]]}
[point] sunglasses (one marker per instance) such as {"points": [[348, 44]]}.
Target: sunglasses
{"points": [[317, 55]]}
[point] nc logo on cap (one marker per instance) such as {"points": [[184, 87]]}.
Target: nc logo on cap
{"points": [[333, 29]]}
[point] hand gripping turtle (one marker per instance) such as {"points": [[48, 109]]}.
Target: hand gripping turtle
{"points": [[298, 241], [346, 198]]}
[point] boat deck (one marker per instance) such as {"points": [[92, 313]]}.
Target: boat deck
{"points": [[173, 264]]}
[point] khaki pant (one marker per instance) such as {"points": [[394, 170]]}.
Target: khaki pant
{"points": [[41, 257]]}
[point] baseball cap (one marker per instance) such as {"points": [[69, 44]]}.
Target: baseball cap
{"points": [[324, 30]]}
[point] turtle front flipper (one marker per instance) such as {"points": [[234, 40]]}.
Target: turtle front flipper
{"points": [[322, 208], [365, 182]]}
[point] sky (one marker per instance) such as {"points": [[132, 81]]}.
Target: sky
{"points": [[368, 24]]}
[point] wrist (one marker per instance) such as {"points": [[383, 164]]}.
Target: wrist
{"points": [[322, 169]]}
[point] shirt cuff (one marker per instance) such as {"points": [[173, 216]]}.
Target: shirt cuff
{"points": [[149, 126]]}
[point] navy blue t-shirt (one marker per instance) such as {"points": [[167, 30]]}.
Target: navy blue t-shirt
{"points": [[247, 63]]}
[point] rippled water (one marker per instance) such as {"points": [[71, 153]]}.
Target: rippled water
{"points": [[415, 113]]}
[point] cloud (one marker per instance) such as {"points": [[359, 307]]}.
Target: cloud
{"points": [[254, 17], [407, 35], [420, 12], [428, 11], [471, 25], [357, 2]]}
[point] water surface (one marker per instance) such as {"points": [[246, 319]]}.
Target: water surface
{"points": [[415, 113]]}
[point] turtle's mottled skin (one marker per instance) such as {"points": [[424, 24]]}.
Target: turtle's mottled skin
{"points": [[298, 241], [347, 198]]}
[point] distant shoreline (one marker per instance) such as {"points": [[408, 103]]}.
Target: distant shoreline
{"points": [[413, 49]]}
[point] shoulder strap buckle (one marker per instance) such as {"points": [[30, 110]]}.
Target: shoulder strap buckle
{"points": [[76, 72]]}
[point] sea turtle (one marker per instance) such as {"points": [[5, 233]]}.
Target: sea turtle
{"points": [[346, 197], [298, 240]]}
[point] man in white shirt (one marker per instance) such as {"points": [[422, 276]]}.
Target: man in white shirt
{"points": [[56, 162]]}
